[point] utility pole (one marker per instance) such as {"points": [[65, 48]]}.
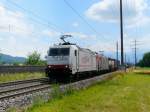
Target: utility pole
{"points": [[135, 52], [121, 33], [0, 57], [117, 53], [125, 61], [135, 44]]}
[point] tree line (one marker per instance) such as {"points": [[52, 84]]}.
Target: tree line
{"points": [[145, 61]]}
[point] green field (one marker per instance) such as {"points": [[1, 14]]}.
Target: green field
{"points": [[128, 93], [143, 68], [19, 76]]}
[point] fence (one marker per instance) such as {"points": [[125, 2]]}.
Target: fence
{"points": [[19, 69]]}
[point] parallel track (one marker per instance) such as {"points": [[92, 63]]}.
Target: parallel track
{"points": [[18, 88], [22, 82]]}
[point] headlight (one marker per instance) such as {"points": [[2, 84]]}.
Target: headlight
{"points": [[66, 66], [49, 66]]}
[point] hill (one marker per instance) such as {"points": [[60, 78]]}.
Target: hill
{"points": [[8, 59]]}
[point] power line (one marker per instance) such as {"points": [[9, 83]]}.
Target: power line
{"points": [[40, 18], [48, 23], [135, 44], [10, 28], [83, 19], [135, 49], [114, 10], [117, 57], [125, 58]]}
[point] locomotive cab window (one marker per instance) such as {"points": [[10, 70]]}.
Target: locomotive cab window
{"points": [[59, 52], [75, 52]]}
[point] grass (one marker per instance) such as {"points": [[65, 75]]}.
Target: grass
{"points": [[19, 76], [128, 93], [144, 70]]}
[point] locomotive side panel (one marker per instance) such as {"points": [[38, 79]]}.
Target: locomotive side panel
{"points": [[103, 63], [74, 59], [87, 60]]}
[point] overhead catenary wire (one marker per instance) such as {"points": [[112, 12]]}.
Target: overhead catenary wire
{"points": [[11, 28], [38, 19], [87, 23], [115, 11], [136, 24], [135, 51], [131, 4], [83, 19], [42, 21]]}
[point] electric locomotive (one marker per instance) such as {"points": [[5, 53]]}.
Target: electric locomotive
{"points": [[66, 61]]}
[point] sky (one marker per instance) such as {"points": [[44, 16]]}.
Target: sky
{"points": [[35, 25]]}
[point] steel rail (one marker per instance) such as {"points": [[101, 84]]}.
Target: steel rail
{"points": [[20, 93], [21, 88], [11, 83]]}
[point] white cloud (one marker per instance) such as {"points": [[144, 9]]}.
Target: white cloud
{"points": [[80, 35], [92, 42], [14, 22], [108, 11], [101, 46], [18, 36], [75, 24], [101, 11], [51, 33]]}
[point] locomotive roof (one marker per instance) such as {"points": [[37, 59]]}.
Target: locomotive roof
{"points": [[68, 45]]}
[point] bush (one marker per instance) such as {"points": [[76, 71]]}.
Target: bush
{"points": [[35, 59], [56, 92]]}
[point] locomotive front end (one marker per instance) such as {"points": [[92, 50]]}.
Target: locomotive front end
{"points": [[58, 62]]}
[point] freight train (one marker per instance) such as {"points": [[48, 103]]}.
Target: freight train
{"points": [[66, 61]]}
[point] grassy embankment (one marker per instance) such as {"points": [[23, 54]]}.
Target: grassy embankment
{"points": [[19, 76], [142, 68], [145, 70], [128, 93]]}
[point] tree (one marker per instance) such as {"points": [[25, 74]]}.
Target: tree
{"points": [[145, 62], [0, 58], [34, 59], [16, 63]]}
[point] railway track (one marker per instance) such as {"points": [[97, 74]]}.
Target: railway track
{"points": [[25, 87], [18, 88]]}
